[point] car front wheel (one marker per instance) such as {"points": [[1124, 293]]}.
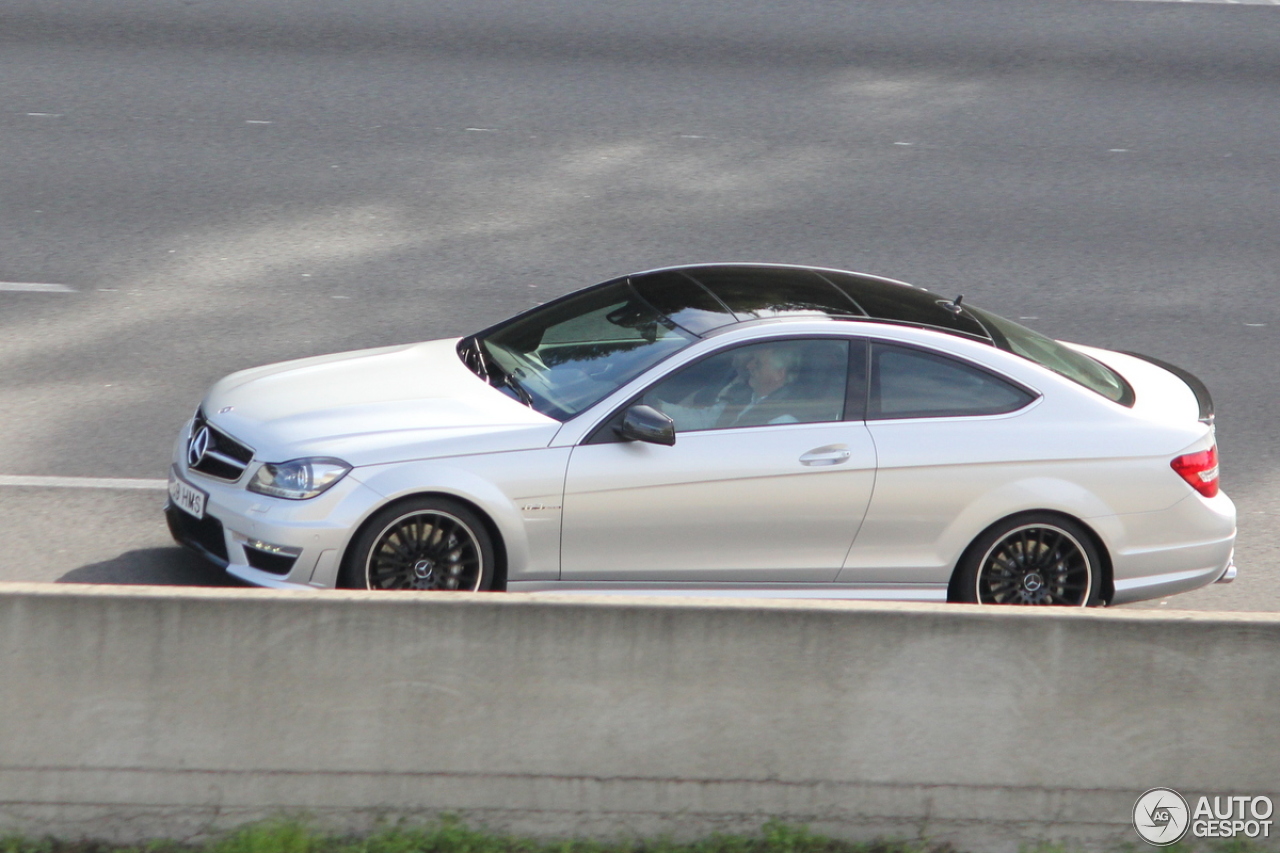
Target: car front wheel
{"points": [[422, 543], [1036, 559]]}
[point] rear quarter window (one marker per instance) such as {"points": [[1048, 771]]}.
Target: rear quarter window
{"points": [[911, 383]]}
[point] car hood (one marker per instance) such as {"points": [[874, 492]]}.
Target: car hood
{"points": [[373, 406]]}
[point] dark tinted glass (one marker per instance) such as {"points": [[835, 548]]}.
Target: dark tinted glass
{"points": [[1057, 357], [912, 383], [885, 300], [755, 292], [683, 300], [762, 384]]}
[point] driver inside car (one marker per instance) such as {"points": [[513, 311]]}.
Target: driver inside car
{"points": [[751, 386]]}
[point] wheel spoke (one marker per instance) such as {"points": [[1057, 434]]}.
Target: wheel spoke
{"points": [[396, 544], [1056, 551], [411, 536]]}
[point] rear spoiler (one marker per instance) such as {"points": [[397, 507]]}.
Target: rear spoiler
{"points": [[1193, 382]]}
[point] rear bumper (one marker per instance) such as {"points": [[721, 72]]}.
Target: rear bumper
{"points": [[1189, 545]]}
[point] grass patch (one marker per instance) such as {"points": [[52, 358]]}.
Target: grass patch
{"points": [[450, 835]]}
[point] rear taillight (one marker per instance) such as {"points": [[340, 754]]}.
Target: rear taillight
{"points": [[1200, 470]]}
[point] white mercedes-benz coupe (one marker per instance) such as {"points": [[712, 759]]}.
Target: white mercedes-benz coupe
{"points": [[738, 429]]}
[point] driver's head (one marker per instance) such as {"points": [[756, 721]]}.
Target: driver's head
{"points": [[770, 367]]}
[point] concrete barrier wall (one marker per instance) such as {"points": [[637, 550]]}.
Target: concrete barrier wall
{"points": [[128, 713]]}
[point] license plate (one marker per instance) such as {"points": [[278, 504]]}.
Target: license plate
{"points": [[185, 496]]}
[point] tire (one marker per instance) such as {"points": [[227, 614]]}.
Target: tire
{"points": [[1031, 559], [424, 543]]}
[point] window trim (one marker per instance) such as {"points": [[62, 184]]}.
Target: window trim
{"points": [[1032, 394]]}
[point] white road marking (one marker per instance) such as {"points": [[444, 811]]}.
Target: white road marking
{"points": [[35, 287], [1221, 2], [81, 482]]}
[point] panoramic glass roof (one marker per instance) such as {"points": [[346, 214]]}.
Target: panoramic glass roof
{"points": [[700, 299], [568, 354]]}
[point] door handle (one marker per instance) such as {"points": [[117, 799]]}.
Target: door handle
{"points": [[832, 454]]}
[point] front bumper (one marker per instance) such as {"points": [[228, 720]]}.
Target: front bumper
{"points": [[271, 542]]}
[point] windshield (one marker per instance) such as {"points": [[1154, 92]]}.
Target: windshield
{"points": [[568, 355], [1059, 358]]}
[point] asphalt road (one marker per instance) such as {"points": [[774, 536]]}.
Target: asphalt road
{"points": [[221, 184]]}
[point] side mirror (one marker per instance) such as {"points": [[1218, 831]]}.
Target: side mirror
{"points": [[645, 423]]}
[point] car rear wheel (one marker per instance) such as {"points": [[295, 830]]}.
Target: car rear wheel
{"points": [[423, 543], [1032, 559]]}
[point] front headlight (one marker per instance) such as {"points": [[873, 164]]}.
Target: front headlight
{"points": [[298, 479]]}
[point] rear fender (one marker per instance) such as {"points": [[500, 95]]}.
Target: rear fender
{"points": [[1047, 494]]}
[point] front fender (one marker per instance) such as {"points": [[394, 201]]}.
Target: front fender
{"points": [[519, 492]]}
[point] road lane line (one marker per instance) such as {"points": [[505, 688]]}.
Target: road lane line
{"points": [[35, 287], [1229, 2], [1226, 2], [81, 482]]}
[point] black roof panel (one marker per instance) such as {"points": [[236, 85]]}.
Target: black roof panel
{"points": [[902, 303], [703, 298], [683, 300], [755, 293]]}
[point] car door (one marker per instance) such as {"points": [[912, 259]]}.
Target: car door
{"points": [[944, 430], [763, 484]]}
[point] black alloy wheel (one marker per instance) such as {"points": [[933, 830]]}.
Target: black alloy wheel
{"points": [[421, 544], [1032, 560]]}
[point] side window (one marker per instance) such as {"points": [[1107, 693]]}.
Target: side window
{"points": [[912, 383], [775, 382]]}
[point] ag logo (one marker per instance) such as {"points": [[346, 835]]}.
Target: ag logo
{"points": [[1161, 816]]}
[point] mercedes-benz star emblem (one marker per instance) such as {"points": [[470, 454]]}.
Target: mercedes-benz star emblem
{"points": [[197, 446]]}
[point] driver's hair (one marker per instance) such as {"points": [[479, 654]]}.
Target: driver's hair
{"points": [[783, 355]]}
